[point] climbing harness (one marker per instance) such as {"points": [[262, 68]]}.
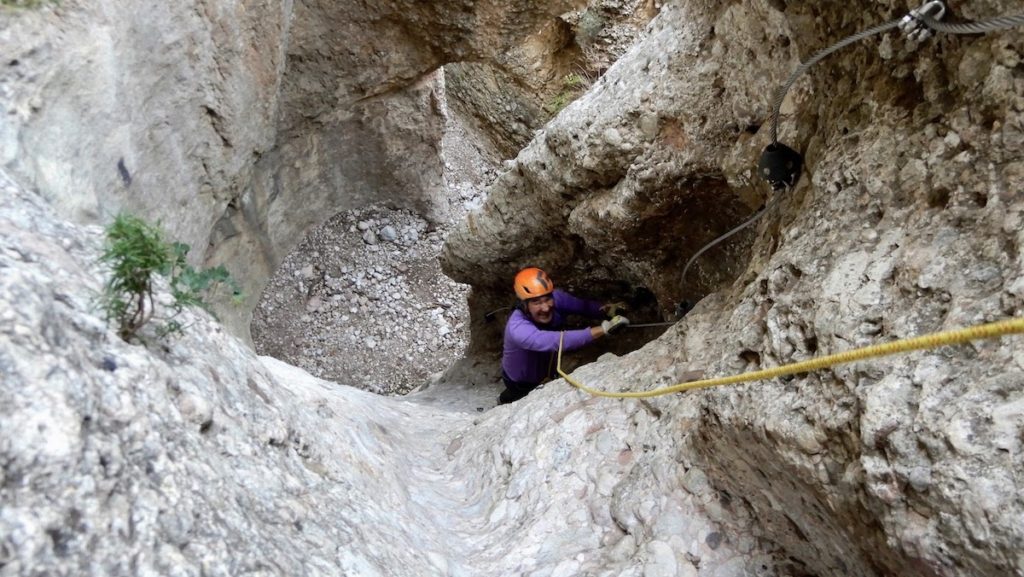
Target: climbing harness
{"points": [[930, 341]]}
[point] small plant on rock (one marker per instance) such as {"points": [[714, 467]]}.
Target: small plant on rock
{"points": [[573, 85], [26, 3], [136, 251]]}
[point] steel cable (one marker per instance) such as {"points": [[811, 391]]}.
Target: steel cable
{"points": [[750, 221], [979, 27], [780, 95]]}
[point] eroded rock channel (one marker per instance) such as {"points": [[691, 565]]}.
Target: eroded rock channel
{"points": [[614, 139]]}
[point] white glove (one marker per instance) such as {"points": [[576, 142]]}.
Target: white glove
{"points": [[615, 324]]}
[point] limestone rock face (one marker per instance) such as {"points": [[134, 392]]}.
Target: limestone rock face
{"points": [[510, 100], [906, 220], [242, 121], [192, 456], [149, 107], [641, 156], [260, 119], [146, 106]]}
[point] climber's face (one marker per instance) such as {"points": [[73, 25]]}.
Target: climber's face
{"points": [[541, 309]]}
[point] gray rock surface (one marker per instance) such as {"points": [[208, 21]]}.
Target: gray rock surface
{"points": [[907, 220], [192, 456], [264, 118], [510, 101], [195, 457]]}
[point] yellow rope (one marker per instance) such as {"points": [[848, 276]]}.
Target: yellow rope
{"points": [[929, 341]]}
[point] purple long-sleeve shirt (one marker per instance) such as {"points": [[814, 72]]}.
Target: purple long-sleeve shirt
{"points": [[530, 349]]}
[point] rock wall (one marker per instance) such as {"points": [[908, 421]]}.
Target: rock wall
{"points": [[906, 220], [192, 456], [197, 458], [512, 99], [154, 108], [258, 119], [141, 105]]}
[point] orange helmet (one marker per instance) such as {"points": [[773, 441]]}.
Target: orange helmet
{"points": [[532, 283]]}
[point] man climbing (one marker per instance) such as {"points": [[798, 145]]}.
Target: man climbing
{"points": [[534, 327]]}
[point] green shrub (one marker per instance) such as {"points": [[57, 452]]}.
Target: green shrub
{"points": [[573, 86], [26, 3], [136, 251]]}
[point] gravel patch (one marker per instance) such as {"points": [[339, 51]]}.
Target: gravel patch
{"points": [[362, 300]]}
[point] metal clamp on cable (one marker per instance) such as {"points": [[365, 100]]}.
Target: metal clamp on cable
{"points": [[913, 25]]}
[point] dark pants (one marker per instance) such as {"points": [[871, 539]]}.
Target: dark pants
{"points": [[514, 390]]}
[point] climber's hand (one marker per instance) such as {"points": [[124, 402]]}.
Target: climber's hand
{"points": [[618, 322], [612, 309]]}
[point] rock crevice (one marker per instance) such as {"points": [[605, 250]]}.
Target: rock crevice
{"points": [[247, 123]]}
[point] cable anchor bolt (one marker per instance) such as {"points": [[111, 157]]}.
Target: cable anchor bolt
{"points": [[913, 24], [780, 165]]}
